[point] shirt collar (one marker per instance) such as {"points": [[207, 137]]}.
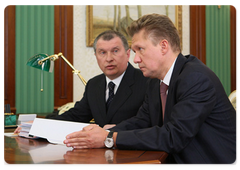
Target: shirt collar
{"points": [[116, 81], [168, 76]]}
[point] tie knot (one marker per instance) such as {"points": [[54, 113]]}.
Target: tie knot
{"points": [[111, 85], [163, 87]]}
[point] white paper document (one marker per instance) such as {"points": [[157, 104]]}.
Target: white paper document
{"points": [[55, 131]]}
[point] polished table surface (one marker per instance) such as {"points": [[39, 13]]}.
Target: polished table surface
{"points": [[18, 150]]}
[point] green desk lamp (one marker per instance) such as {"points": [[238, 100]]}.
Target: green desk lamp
{"points": [[46, 63]]}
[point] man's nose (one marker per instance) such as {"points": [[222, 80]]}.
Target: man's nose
{"points": [[137, 58], [109, 56]]}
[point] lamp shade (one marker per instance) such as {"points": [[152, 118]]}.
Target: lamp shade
{"points": [[47, 65]]}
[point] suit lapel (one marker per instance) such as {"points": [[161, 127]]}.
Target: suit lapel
{"points": [[156, 102], [123, 92], [100, 97], [180, 61]]}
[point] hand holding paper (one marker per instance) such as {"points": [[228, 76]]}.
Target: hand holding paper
{"points": [[91, 136], [55, 131]]}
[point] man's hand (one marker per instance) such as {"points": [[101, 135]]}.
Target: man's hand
{"points": [[17, 130], [92, 136]]}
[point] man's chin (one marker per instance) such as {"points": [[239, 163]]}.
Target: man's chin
{"points": [[145, 74], [111, 74], [148, 75]]}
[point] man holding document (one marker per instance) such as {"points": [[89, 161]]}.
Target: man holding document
{"points": [[115, 95], [196, 123]]}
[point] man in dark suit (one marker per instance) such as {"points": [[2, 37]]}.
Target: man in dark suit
{"points": [[112, 53], [196, 125]]}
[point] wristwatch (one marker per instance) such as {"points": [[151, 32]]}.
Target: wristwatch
{"points": [[109, 140]]}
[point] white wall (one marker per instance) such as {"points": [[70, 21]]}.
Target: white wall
{"points": [[84, 59]]}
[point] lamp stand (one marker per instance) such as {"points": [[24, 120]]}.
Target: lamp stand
{"points": [[56, 56]]}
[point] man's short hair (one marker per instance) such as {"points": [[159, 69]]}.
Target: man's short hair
{"points": [[108, 35], [157, 27]]}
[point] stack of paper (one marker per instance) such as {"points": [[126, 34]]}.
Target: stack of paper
{"points": [[24, 122], [26, 118], [25, 128]]}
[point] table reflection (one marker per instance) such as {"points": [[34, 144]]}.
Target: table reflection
{"points": [[19, 150], [90, 156], [40, 151]]}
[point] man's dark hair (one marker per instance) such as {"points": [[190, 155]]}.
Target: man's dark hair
{"points": [[108, 35]]}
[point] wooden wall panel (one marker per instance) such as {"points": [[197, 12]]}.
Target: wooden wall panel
{"points": [[233, 47], [9, 57], [63, 76], [198, 32]]}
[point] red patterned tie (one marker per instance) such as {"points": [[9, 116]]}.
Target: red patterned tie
{"points": [[163, 93]]}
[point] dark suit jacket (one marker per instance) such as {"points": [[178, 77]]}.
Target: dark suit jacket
{"points": [[127, 100], [199, 123]]}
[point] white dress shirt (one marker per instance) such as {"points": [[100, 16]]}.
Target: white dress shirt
{"points": [[168, 76], [116, 81]]}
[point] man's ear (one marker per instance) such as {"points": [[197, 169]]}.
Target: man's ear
{"points": [[128, 53], [164, 46]]}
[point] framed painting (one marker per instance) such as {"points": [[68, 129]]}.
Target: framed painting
{"points": [[119, 17]]}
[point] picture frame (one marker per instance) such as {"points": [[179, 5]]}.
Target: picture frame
{"points": [[101, 17]]}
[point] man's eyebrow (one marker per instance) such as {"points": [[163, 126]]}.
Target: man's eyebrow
{"points": [[115, 47], [134, 46], [100, 49]]}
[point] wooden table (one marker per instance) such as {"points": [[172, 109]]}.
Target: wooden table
{"points": [[18, 150]]}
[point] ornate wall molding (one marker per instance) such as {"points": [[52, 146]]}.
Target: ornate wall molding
{"points": [[178, 22]]}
